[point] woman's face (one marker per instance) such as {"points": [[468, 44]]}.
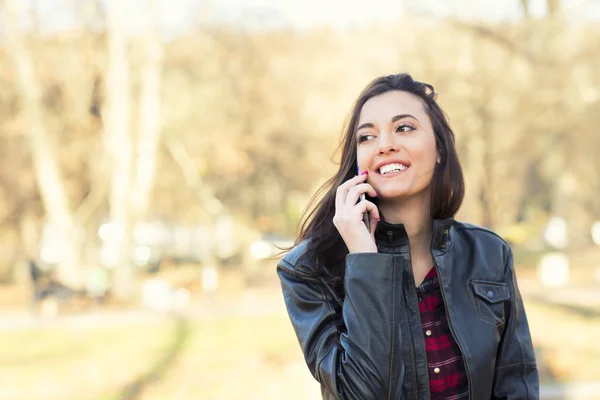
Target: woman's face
{"points": [[396, 144]]}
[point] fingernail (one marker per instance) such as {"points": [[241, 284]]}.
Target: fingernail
{"points": [[364, 172]]}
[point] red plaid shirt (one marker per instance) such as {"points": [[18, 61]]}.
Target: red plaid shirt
{"points": [[447, 376]]}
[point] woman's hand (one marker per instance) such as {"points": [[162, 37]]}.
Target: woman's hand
{"points": [[348, 218]]}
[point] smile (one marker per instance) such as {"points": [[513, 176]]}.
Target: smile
{"points": [[392, 169]]}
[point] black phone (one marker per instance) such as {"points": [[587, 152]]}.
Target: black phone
{"points": [[366, 215]]}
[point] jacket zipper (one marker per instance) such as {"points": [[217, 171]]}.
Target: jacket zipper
{"points": [[452, 329], [412, 347]]}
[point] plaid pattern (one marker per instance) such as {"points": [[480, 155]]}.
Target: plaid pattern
{"points": [[447, 376]]}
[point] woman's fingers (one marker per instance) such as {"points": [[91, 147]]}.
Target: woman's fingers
{"points": [[373, 210], [355, 192], [349, 211], [367, 206], [343, 189], [375, 218]]}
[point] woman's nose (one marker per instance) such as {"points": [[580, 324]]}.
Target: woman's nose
{"points": [[387, 144]]}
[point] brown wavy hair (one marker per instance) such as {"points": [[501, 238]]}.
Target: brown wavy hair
{"points": [[325, 245]]}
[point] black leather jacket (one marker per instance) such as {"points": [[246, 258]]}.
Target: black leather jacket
{"points": [[368, 343]]}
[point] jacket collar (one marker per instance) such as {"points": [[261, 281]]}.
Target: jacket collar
{"points": [[393, 235]]}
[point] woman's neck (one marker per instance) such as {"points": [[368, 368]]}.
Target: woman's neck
{"points": [[414, 214]]}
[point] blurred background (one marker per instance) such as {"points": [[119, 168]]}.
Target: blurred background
{"points": [[154, 153]]}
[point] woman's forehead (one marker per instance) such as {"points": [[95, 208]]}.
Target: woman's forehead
{"points": [[385, 106]]}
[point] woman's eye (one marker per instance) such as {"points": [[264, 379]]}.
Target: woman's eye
{"points": [[404, 128], [364, 137]]}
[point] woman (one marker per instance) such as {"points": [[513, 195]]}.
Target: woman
{"points": [[422, 306]]}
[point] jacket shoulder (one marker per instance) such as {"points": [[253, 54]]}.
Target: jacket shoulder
{"points": [[295, 259], [479, 232], [482, 236]]}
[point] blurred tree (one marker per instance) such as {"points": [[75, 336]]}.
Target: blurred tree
{"points": [[119, 144], [149, 125], [51, 186], [525, 8], [249, 118]]}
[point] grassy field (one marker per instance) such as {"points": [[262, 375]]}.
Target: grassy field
{"points": [[566, 342], [224, 357]]}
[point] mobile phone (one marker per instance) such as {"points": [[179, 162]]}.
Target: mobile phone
{"points": [[366, 215]]}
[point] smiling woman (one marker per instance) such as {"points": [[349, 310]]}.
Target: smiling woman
{"points": [[399, 150], [420, 306]]}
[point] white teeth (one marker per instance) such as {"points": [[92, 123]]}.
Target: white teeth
{"points": [[392, 168]]}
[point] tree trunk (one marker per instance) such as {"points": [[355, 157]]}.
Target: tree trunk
{"points": [[50, 184], [212, 207], [119, 146], [552, 7], [149, 119], [525, 9]]}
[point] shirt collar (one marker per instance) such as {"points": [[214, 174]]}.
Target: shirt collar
{"points": [[393, 235]]}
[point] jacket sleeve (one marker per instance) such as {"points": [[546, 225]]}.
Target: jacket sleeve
{"points": [[351, 350], [516, 375]]}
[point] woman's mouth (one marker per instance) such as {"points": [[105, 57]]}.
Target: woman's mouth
{"points": [[393, 169]]}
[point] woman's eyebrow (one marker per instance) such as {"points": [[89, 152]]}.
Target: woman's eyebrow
{"points": [[401, 116], [394, 119], [365, 125]]}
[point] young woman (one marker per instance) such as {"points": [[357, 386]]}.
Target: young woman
{"points": [[421, 306]]}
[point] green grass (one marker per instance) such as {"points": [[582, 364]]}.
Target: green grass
{"points": [[224, 358], [566, 342], [73, 363], [232, 358]]}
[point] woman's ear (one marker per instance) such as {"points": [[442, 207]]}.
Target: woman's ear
{"points": [[439, 157]]}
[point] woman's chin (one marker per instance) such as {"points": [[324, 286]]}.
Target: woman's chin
{"points": [[393, 195]]}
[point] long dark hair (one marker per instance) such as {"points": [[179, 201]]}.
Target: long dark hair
{"points": [[325, 245]]}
